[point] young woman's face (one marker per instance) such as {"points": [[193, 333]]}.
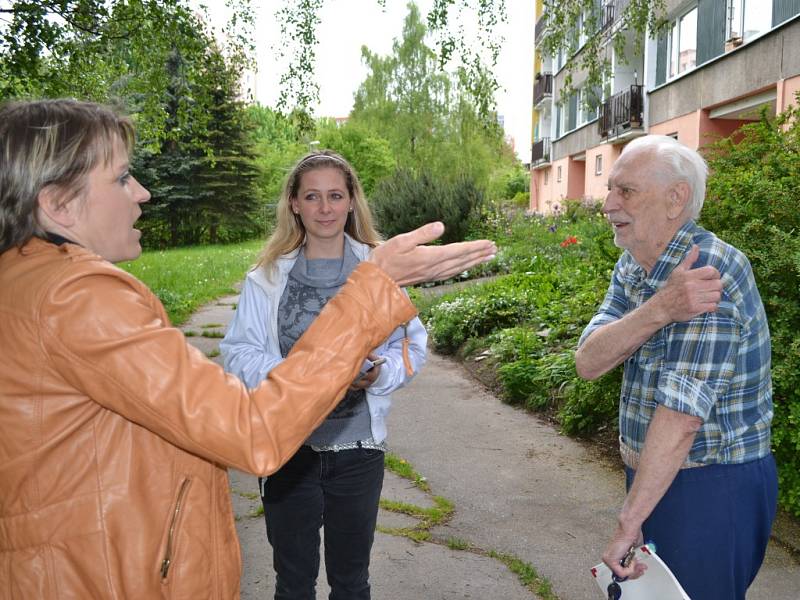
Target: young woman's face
{"points": [[323, 203]]}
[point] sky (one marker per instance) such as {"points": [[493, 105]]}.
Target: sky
{"points": [[346, 25]]}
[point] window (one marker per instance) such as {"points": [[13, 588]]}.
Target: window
{"points": [[546, 173], [559, 60], [598, 164], [682, 44], [558, 174], [589, 101], [748, 18]]}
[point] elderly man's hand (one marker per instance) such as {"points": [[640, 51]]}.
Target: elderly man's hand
{"points": [[407, 261], [690, 292]]}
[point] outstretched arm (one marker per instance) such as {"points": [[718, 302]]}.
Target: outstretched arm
{"points": [[407, 261]]}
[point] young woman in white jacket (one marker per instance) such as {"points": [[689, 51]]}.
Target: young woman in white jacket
{"points": [[324, 229]]}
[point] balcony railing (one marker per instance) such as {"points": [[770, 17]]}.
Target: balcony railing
{"points": [[611, 11], [622, 112], [542, 87], [538, 30], [540, 152]]}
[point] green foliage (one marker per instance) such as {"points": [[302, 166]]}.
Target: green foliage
{"points": [[187, 278], [532, 317], [202, 181], [425, 114], [368, 152], [752, 204], [590, 406], [300, 18], [114, 51], [406, 201], [277, 146]]}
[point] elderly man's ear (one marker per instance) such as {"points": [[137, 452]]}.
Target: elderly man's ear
{"points": [[678, 199]]}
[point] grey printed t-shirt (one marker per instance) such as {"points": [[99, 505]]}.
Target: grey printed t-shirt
{"points": [[310, 285]]}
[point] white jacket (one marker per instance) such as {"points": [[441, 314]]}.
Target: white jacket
{"points": [[251, 348]]}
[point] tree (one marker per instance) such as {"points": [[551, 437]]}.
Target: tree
{"points": [[111, 51], [428, 118], [203, 180], [405, 93], [278, 144], [300, 18], [368, 152]]}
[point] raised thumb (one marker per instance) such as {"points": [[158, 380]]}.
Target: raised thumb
{"points": [[426, 234], [691, 258]]}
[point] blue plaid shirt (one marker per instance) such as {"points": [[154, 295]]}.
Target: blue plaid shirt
{"points": [[715, 366]]}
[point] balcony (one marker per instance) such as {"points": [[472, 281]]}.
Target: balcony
{"points": [[538, 30], [622, 112], [540, 152], [611, 11], [542, 87]]}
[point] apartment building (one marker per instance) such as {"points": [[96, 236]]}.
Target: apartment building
{"points": [[715, 68]]}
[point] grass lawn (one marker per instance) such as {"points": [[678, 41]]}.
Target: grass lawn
{"points": [[186, 278]]}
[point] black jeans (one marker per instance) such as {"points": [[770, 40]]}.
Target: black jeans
{"points": [[337, 490]]}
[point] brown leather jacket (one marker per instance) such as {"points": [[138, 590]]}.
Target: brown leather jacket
{"points": [[116, 434]]}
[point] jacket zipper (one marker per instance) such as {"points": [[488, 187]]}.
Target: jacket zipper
{"points": [[167, 561]]}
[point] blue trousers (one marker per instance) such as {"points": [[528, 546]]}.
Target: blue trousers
{"points": [[712, 526], [336, 490]]}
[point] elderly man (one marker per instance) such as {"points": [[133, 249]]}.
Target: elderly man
{"points": [[684, 315]]}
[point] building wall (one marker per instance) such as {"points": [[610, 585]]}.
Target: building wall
{"points": [[541, 189], [697, 129], [748, 68], [596, 185], [787, 88]]}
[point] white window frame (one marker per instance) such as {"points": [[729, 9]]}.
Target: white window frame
{"points": [[673, 48], [738, 9], [598, 164], [558, 174]]}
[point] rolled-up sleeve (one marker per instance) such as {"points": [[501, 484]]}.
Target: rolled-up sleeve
{"points": [[699, 363], [613, 308]]}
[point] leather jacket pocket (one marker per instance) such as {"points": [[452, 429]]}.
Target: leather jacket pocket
{"points": [[173, 524]]}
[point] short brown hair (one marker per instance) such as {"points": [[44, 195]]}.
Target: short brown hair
{"points": [[50, 142]]}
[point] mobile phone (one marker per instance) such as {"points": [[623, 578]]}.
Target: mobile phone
{"points": [[369, 365]]}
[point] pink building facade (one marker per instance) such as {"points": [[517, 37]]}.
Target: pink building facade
{"points": [[724, 78]]}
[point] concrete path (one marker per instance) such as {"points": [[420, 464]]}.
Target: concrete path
{"points": [[520, 490]]}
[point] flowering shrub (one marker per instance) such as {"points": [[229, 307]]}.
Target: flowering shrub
{"points": [[569, 241]]}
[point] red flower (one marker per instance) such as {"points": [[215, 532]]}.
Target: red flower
{"points": [[569, 241]]}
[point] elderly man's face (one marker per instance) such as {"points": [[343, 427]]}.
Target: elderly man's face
{"points": [[637, 207]]}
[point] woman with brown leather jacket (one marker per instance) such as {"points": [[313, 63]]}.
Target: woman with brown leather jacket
{"points": [[116, 434]]}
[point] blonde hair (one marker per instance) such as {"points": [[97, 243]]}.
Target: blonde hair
{"points": [[290, 232], [50, 143]]}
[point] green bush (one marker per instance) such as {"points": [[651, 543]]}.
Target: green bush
{"points": [[752, 203], [408, 200], [588, 406], [521, 199]]}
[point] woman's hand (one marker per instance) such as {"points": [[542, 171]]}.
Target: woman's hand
{"points": [[368, 378], [406, 260]]}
